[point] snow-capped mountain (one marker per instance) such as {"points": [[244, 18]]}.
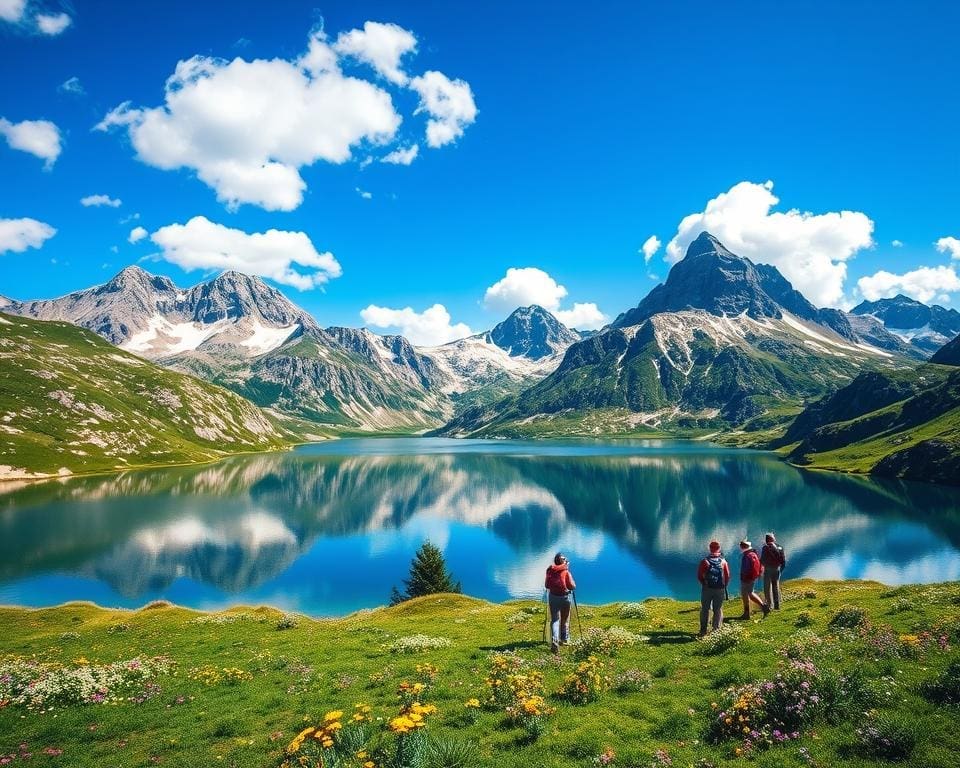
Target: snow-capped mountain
{"points": [[518, 352], [925, 327], [147, 314], [721, 343]]}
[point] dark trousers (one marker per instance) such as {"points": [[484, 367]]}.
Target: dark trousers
{"points": [[711, 597]]}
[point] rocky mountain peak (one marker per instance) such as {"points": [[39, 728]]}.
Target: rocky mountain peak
{"points": [[713, 279], [532, 332], [234, 295], [134, 278]]}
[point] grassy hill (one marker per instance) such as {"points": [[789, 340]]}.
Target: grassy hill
{"points": [[71, 402], [899, 424], [848, 673]]}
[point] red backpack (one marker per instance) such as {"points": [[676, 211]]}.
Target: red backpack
{"points": [[555, 581], [755, 567]]}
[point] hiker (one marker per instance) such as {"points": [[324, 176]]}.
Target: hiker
{"points": [[773, 561], [560, 584], [713, 573], [750, 570]]}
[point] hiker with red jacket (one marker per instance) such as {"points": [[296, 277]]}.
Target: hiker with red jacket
{"points": [[750, 571], [773, 561], [713, 573], [560, 584]]}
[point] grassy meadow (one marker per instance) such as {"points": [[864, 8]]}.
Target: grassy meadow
{"points": [[848, 673]]}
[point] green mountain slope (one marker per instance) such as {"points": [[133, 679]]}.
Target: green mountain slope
{"points": [[899, 424], [71, 402]]}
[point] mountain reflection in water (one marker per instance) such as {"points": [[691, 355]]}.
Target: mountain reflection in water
{"points": [[331, 528]]}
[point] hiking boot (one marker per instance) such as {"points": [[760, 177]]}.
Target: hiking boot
{"points": [[554, 647], [766, 610], [742, 617]]}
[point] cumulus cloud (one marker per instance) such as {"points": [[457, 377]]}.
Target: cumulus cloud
{"points": [[364, 194], [137, 234], [382, 46], [72, 86], [650, 246], [949, 245], [426, 329], [12, 10], [202, 244], [586, 317], [98, 200], [897, 243], [40, 138], [19, 234], [811, 250], [306, 110], [449, 103], [923, 284], [53, 24], [523, 286], [402, 155]]}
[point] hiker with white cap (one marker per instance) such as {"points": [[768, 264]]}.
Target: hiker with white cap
{"points": [[750, 571]]}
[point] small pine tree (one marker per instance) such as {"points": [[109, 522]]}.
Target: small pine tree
{"points": [[428, 575]]}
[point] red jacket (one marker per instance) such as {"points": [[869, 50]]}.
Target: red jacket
{"points": [[559, 580], [702, 571]]}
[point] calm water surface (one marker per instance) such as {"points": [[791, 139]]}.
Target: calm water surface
{"points": [[329, 528]]}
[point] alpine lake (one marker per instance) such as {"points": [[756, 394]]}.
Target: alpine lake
{"points": [[329, 528]]}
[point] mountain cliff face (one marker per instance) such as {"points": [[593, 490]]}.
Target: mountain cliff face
{"points": [[712, 348], [948, 354], [926, 327]]}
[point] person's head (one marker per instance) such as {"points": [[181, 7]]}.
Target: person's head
{"points": [[714, 547], [745, 545], [559, 558], [770, 538]]}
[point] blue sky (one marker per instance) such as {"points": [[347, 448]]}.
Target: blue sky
{"points": [[595, 129]]}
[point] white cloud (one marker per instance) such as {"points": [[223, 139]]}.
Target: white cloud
{"points": [[523, 286], [811, 250], [586, 317], [923, 284], [19, 234], [363, 193], [202, 244], [897, 243], [72, 86], [306, 110], [38, 137], [426, 329], [949, 245], [137, 234], [12, 10], [53, 23], [650, 246], [379, 45], [449, 103], [402, 155], [98, 200]]}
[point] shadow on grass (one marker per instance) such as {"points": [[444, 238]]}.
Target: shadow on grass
{"points": [[670, 637], [515, 646]]}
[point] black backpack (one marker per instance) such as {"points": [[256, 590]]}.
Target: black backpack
{"points": [[714, 575]]}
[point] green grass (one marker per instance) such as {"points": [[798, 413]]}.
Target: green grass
{"points": [[298, 674], [70, 403]]}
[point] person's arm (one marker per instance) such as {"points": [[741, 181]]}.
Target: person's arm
{"points": [[546, 580], [726, 573], [571, 584], [702, 572]]}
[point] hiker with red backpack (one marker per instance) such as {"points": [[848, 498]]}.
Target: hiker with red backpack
{"points": [[560, 584], [713, 573], [773, 561], [750, 570]]}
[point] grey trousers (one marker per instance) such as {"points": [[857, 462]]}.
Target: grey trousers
{"points": [[771, 586], [560, 617], [711, 597]]}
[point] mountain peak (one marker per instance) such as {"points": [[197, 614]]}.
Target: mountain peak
{"points": [[532, 332], [134, 277], [713, 279]]}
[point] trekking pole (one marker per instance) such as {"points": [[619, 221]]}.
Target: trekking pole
{"points": [[546, 616], [577, 610]]}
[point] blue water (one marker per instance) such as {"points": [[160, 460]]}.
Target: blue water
{"points": [[331, 527]]}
